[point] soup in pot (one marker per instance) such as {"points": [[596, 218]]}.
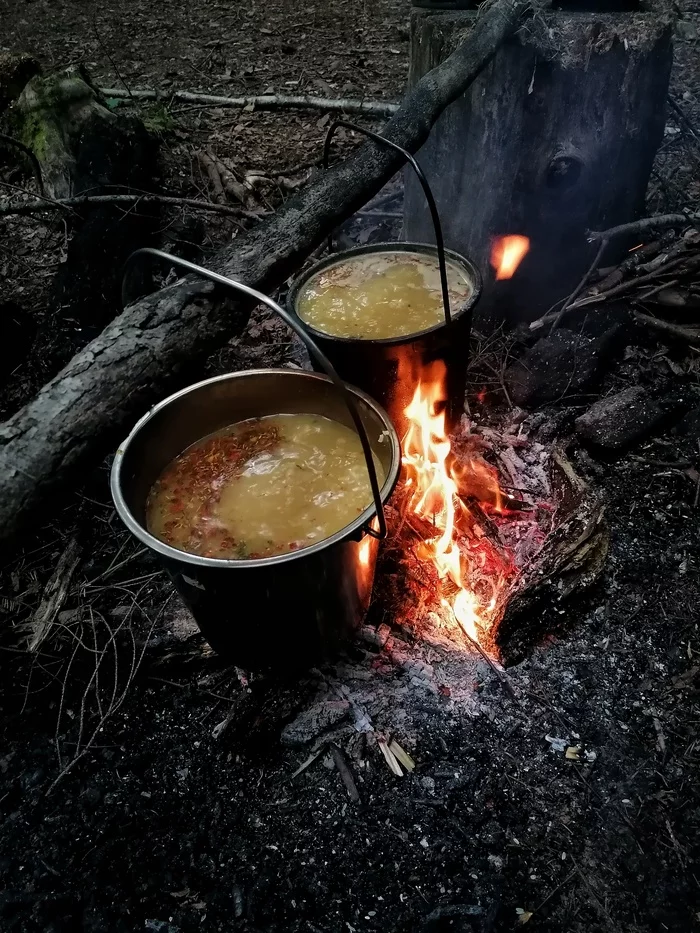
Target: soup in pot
{"points": [[381, 295], [262, 487]]}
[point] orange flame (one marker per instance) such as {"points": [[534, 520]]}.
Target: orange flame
{"points": [[435, 484], [507, 253]]}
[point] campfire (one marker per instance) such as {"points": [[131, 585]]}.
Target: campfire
{"points": [[438, 484], [484, 516]]}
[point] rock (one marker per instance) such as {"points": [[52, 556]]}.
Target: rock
{"points": [[620, 420], [312, 722], [563, 364]]}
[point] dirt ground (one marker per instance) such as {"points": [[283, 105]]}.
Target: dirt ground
{"points": [[145, 785]]}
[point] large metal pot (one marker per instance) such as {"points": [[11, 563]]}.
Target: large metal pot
{"points": [[285, 611], [390, 369]]}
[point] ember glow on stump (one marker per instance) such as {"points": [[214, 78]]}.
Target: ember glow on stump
{"points": [[507, 253]]}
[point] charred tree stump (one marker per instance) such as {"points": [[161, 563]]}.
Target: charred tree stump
{"points": [[555, 137]]}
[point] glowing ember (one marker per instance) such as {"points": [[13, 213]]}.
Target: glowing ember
{"points": [[364, 551], [435, 480], [507, 254]]}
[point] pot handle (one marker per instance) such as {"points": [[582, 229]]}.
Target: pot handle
{"points": [[437, 226], [311, 346]]}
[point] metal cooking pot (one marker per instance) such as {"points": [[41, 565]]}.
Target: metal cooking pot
{"points": [[390, 369], [294, 609]]}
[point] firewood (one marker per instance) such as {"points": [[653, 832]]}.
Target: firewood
{"points": [[77, 416]]}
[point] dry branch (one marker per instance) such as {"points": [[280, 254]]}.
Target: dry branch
{"points": [[377, 108], [659, 222], [79, 414], [99, 200]]}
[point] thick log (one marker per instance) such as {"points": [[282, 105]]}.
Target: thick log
{"points": [[148, 348], [557, 136]]}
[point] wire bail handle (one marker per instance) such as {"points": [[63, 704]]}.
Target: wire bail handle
{"points": [[437, 226], [311, 346]]}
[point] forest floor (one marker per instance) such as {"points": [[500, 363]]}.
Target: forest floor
{"points": [[126, 803]]}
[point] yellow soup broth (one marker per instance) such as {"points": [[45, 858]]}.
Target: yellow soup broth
{"points": [[262, 487], [381, 295]]}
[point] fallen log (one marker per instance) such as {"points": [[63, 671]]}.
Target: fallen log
{"points": [[375, 108], [79, 414]]}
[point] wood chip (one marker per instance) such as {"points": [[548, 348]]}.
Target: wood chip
{"points": [[402, 756], [390, 757]]}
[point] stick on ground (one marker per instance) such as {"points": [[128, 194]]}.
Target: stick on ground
{"points": [[377, 108]]}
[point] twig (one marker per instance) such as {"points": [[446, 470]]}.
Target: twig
{"points": [[683, 119], [594, 895], [658, 288], [109, 57], [34, 207], [345, 772], [629, 285], [54, 595], [579, 288], [380, 215], [642, 226], [498, 671], [11, 141], [44, 199], [377, 108], [555, 891]]}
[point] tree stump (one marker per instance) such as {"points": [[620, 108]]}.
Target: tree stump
{"points": [[556, 136], [82, 146]]}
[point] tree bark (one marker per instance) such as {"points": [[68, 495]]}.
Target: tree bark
{"points": [[148, 348], [557, 136]]}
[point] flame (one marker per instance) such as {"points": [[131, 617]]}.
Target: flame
{"points": [[364, 551], [507, 253], [434, 480]]}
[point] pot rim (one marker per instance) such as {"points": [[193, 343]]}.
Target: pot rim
{"points": [[165, 550], [402, 247]]}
